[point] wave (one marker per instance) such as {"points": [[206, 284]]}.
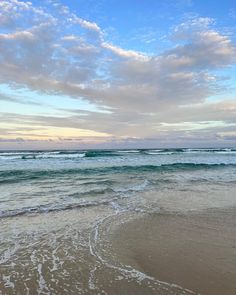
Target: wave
{"points": [[92, 154], [57, 154], [40, 155], [189, 151], [112, 194], [159, 153], [45, 209], [11, 176], [73, 154], [213, 150], [129, 151]]}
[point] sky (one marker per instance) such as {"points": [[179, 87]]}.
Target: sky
{"points": [[78, 74]]}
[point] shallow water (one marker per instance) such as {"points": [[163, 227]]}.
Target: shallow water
{"points": [[58, 209]]}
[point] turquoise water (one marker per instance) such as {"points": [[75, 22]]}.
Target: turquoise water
{"points": [[44, 181]]}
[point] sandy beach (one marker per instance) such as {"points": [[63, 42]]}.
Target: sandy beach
{"points": [[167, 253], [195, 250]]}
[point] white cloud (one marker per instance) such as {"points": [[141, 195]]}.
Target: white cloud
{"points": [[203, 46], [87, 25], [141, 91], [22, 35], [124, 53]]}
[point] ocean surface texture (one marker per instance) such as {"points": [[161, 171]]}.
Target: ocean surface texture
{"points": [[57, 209]]}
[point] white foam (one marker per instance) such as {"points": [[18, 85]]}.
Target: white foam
{"points": [[7, 282], [42, 286], [7, 254]]}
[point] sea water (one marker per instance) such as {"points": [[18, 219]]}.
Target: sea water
{"points": [[54, 205]]}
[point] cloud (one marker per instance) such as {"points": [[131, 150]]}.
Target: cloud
{"points": [[87, 25], [124, 53], [141, 91], [227, 135], [210, 117], [17, 99], [16, 140], [23, 35], [207, 49]]}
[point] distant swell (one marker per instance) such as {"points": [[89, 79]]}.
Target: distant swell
{"points": [[13, 176], [92, 154], [77, 154]]}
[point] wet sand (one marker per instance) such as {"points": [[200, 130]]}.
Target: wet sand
{"points": [[124, 253], [195, 250]]}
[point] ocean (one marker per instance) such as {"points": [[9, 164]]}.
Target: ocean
{"points": [[58, 208]]}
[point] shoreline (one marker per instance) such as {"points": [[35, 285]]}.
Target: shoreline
{"points": [[163, 252]]}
